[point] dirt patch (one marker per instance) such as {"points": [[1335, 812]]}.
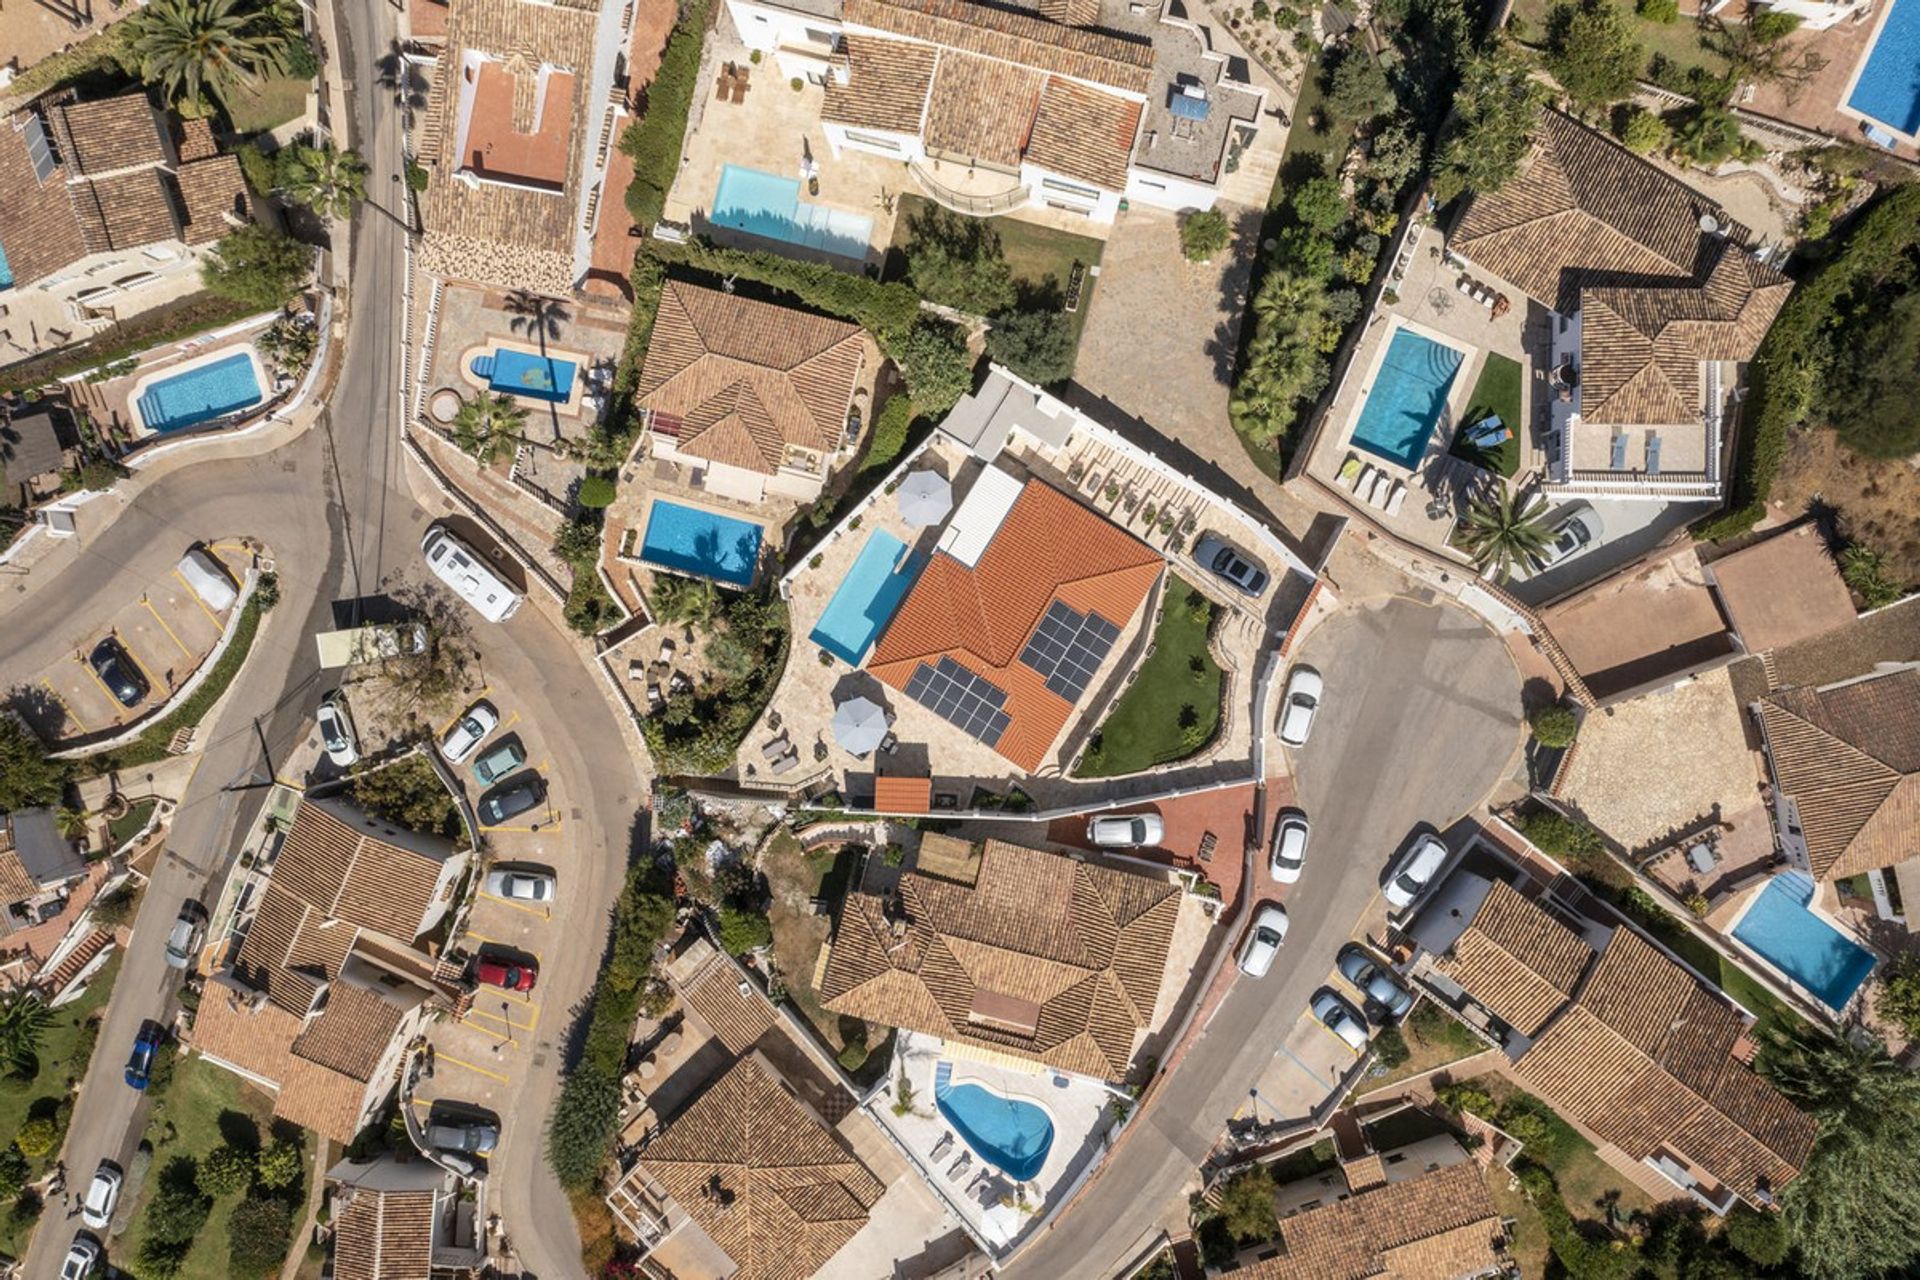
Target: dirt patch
{"points": [[796, 879], [1878, 499]]}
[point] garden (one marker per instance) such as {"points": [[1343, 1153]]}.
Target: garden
{"points": [[1497, 393], [1172, 708]]}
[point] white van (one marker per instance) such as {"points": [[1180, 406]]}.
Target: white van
{"points": [[208, 580], [460, 567]]}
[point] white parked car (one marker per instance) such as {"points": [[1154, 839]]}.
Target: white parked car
{"points": [[96, 1207], [1301, 705], [83, 1255], [1573, 533], [460, 567], [1415, 871], [469, 731], [208, 579], [1341, 1018], [1289, 847], [1126, 830], [336, 731], [1263, 941], [517, 885]]}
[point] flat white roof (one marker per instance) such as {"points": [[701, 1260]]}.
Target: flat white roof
{"points": [[980, 515]]}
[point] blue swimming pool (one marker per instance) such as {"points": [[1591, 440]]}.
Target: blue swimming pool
{"points": [[1780, 928], [6, 271], [1409, 392], [706, 543], [519, 373], [866, 598], [1888, 89], [765, 204], [1012, 1136], [204, 392]]}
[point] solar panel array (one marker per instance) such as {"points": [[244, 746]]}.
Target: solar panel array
{"points": [[39, 150], [971, 703], [1068, 647]]}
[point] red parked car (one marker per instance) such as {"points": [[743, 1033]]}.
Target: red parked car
{"points": [[509, 974]]}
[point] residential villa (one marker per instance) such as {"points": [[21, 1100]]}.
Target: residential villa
{"points": [[109, 200], [395, 1220], [1655, 298], [38, 867], [1072, 105], [754, 399], [327, 986], [1646, 1058]]}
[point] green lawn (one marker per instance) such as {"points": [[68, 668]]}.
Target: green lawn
{"points": [[1433, 1039], [1172, 708], [123, 829], [1678, 41], [1497, 392], [266, 104], [1036, 253]]}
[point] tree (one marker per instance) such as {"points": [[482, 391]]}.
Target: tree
{"points": [[1357, 88], [1773, 25], [934, 360], [489, 427], [581, 1130], [1318, 204], [431, 669], [175, 1216], [1874, 382], [743, 931], [24, 1021], [1246, 1205], [408, 794], [1491, 130], [38, 1137], [28, 779], [1900, 994], [1759, 1236], [1852, 1209], [1555, 726], [889, 435], [226, 1171], [257, 265], [188, 46], [1662, 11], [325, 180], [956, 261], [1037, 345], [1561, 836], [258, 1234], [1707, 135], [14, 1170], [681, 599], [1394, 155], [577, 541], [1503, 535], [1203, 233], [1591, 51], [596, 493], [1284, 365], [279, 1166], [1643, 133]]}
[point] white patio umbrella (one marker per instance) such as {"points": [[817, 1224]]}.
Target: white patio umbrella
{"points": [[859, 725], [925, 498]]}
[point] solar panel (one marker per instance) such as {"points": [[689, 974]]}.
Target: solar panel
{"points": [[1068, 647], [969, 702], [39, 150]]}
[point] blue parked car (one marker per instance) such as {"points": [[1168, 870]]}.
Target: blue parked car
{"points": [[145, 1046]]}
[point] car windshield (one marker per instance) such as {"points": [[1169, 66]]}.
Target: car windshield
{"points": [[1408, 882], [1267, 936]]}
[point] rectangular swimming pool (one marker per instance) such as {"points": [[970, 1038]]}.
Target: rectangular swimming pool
{"points": [[701, 542], [519, 373], [866, 598], [1409, 392], [200, 394], [1888, 89], [1780, 928], [767, 205]]}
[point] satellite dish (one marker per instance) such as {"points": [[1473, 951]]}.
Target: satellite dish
{"points": [[1709, 224]]}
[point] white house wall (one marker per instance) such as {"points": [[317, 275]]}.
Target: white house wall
{"points": [[840, 136], [766, 28], [1165, 191]]}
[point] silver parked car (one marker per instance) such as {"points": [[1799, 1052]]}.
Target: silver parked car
{"points": [[1573, 533], [516, 884], [1415, 871], [183, 940], [1126, 830], [1385, 996], [1341, 1018], [1263, 941], [1289, 847], [1301, 705], [1215, 555], [469, 1136], [469, 731], [96, 1207]]}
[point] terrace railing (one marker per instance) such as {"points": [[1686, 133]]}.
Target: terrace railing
{"points": [[961, 202]]}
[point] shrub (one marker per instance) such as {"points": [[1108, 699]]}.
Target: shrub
{"points": [[174, 1218], [957, 261], [1549, 1139], [1642, 132], [654, 140], [258, 1235], [37, 1138], [1900, 994], [1466, 1098], [596, 493], [1584, 1258], [933, 358], [888, 438], [172, 323], [1761, 1237], [742, 930], [1204, 233], [583, 1124], [417, 177], [257, 265], [1770, 26], [1390, 1048], [1561, 836], [25, 1210], [1318, 205], [1246, 1205], [1864, 569], [1555, 726], [226, 1171], [14, 1170], [888, 311], [279, 1166], [1357, 88], [1037, 345], [1662, 11], [1591, 52]]}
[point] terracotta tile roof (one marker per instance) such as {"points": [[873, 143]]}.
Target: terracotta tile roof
{"points": [[193, 139], [1516, 959], [212, 190], [887, 83], [1850, 758], [762, 1176], [1048, 548], [109, 134], [903, 795], [1011, 36], [981, 109], [360, 871], [125, 211], [383, 1235], [1084, 133], [1643, 1058], [326, 1101], [291, 948], [1077, 951], [747, 379], [736, 1020], [15, 883], [1074, 13], [352, 1034], [1438, 1226], [1783, 589], [43, 234], [228, 1027]]}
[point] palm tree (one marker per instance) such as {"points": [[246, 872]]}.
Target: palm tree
{"points": [[327, 181], [23, 1024], [188, 46], [72, 823], [678, 599], [488, 427], [1502, 535]]}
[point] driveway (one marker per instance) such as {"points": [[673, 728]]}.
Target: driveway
{"points": [[1420, 720]]}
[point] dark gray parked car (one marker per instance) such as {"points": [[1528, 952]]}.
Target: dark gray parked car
{"points": [[512, 798], [1387, 1000], [456, 1133]]}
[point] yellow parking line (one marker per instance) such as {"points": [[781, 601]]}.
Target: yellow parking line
{"points": [[508, 723], [498, 994], [494, 1017], [151, 682], [559, 821], [441, 732], [542, 912], [439, 1058], [164, 627], [88, 668], [195, 597], [64, 705]]}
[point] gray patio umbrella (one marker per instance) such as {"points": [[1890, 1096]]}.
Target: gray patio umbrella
{"points": [[859, 725], [925, 498]]}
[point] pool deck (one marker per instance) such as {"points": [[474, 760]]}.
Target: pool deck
{"points": [[1818, 100]]}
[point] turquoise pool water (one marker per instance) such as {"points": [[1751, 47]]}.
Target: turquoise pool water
{"points": [[1888, 89], [520, 374], [866, 598], [765, 204], [6, 272], [1801, 945], [704, 543], [210, 391], [1409, 392], [1012, 1136]]}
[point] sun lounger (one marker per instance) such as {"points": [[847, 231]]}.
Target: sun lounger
{"points": [[1361, 486], [1382, 485], [1349, 472], [679, 683], [1653, 453], [776, 747], [655, 699], [1618, 458], [1396, 498], [786, 763], [941, 1147], [636, 668], [666, 650], [960, 1166]]}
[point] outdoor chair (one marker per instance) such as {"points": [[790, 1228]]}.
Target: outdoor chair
{"points": [[775, 747], [941, 1147], [960, 1166], [1396, 498], [636, 669], [1349, 472], [655, 699]]}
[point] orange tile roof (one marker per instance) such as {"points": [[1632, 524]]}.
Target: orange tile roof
{"points": [[1437, 1226], [1048, 548], [903, 795]]}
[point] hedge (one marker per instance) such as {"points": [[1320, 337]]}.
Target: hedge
{"points": [[183, 319], [655, 139], [99, 50], [1786, 371], [887, 311]]}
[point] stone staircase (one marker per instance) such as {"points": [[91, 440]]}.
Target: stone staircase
{"points": [[62, 976]]}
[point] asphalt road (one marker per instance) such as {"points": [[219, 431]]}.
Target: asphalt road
{"points": [[1420, 719], [334, 508]]}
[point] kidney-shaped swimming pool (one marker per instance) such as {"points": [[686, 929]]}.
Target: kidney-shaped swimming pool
{"points": [[1012, 1136]]}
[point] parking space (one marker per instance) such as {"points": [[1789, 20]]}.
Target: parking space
{"points": [[159, 640]]}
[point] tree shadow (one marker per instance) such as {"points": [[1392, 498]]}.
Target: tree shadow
{"points": [[42, 712], [239, 1130]]}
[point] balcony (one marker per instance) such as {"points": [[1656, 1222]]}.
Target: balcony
{"points": [[981, 193]]}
